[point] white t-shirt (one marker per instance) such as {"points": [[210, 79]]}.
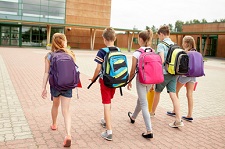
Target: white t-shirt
{"points": [[137, 54]]}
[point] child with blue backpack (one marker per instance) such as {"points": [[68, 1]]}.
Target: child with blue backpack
{"points": [[144, 40], [188, 44], [107, 93], [59, 44]]}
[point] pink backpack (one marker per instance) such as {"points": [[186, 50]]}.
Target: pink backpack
{"points": [[150, 69]]}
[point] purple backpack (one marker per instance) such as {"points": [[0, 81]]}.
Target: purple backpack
{"points": [[196, 64], [64, 72]]}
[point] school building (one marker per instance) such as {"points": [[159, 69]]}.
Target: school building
{"points": [[209, 37], [33, 22]]}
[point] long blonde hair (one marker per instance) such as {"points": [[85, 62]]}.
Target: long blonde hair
{"points": [[146, 36], [58, 43], [190, 42]]}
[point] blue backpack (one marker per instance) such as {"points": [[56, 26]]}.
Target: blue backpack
{"points": [[115, 68], [64, 72]]}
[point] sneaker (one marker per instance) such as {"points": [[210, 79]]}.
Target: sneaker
{"points": [[152, 114], [103, 123], [170, 113], [176, 124], [106, 136], [190, 119]]}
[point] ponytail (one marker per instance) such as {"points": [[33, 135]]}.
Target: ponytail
{"points": [[146, 36]]}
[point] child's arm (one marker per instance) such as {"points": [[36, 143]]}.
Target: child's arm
{"points": [[132, 72], [45, 78], [97, 71]]}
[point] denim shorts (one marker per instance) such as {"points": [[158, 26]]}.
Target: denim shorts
{"points": [[56, 93], [170, 82], [184, 79]]}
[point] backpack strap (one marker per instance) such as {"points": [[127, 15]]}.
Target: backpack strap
{"points": [[166, 44], [193, 49], [107, 49], [144, 50]]}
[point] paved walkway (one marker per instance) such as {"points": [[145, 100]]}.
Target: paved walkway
{"points": [[25, 117]]}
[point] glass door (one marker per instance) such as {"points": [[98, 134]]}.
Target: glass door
{"points": [[9, 35], [14, 38], [5, 35]]}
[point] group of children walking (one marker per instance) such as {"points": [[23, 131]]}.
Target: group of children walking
{"points": [[173, 83]]}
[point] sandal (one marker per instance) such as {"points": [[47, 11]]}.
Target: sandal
{"points": [[190, 119], [170, 113], [53, 127], [67, 141], [131, 120]]}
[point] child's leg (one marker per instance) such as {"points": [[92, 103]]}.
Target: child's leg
{"points": [[137, 110], [65, 106], [176, 105], [142, 99], [155, 101], [190, 88], [54, 110], [107, 116], [178, 87]]}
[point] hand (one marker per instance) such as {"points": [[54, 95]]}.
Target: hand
{"points": [[91, 80], [44, 94], [129, 86], [152, 88]]}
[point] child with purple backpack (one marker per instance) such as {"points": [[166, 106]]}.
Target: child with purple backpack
{"points": [[59, 94], [189, 45]]}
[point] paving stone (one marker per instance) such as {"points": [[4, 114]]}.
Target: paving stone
{"points": [[30, 117]]}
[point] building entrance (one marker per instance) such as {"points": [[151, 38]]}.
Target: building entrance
{"points": [[211, 45], [10, 35]]}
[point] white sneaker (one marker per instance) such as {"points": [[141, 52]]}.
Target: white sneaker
{"points": [[152, 114], [106, 136], [176, 124], [103, 123]]}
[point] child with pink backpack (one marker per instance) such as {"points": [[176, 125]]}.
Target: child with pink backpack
{"points": [[149, 72]]}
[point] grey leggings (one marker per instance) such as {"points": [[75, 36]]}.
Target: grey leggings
{"points": [[142, 104]]}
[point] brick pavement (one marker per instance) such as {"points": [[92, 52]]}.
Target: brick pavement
{"points": [[25, 117]]}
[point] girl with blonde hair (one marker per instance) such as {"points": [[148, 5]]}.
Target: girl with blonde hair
{"points": [[59, 43], [188, 44]]}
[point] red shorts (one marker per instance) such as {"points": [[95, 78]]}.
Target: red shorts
{"points": [[106, 92]]}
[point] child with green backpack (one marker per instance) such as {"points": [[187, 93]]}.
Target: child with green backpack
{"points": [[169, 79]]}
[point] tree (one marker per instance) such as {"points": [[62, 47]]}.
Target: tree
{"points": [[171, 27], [178, 26], [222, 20], [204, 21], [215, 21], [195, 21], [147, 27], [153, 28], [187, 22]]}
